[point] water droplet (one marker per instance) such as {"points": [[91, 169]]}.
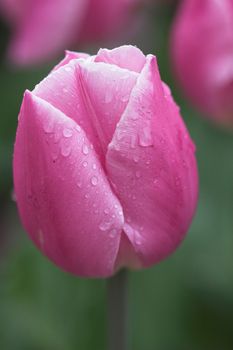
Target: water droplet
{"points": [[65, 150], [65, 90], [85, 164], [117, 146], [134, 197], [87, 195], [106, 211], [77, 127], [94, 180], [68, 69], [48, 126], [79, 184], [115, 206], [148, 162], [138, 174], [85, 149], [105, 225], [54, 154], [135, 158], [155, 181], [94, 166], [145, 137], [67, 132], [120, 212], [113, 233], [137, 238]]}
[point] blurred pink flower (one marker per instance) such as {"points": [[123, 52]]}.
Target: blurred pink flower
{"points": [[44, 28], [104, 169], [202, 55]]}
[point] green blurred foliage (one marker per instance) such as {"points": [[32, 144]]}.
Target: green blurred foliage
{"points": [[185, 302]]}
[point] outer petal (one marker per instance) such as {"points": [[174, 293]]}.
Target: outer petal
{"points": [[202, 54], [127, 56], [64, 199], [152, 167], [47, 30]]}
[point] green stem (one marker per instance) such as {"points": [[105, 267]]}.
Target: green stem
{"points": [[117, 311]]}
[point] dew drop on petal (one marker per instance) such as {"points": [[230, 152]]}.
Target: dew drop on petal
{"points": [[67, 132], [68, 69], [135, 158], [48, 126], [113, 233], [105, 225], [94, 181], [138, 174], [85, 164], [77, 127], [79, 184], [65, 150], [145, 137], [85, 149]]}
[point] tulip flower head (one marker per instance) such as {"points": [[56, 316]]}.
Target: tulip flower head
{"points": [[104, 168], [202, 55]]}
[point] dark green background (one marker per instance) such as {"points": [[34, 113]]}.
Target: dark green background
{"points": [[183, 303]]}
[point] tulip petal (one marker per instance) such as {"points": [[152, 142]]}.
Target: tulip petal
{"points": [[152, 167], [202, 55], [120, 57], [49, 28], [63, 89], [107, 89], [70, 55], [64, 198], [93, 94]]}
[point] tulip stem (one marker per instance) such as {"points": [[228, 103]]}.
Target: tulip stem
{"points": [[117, 304]]}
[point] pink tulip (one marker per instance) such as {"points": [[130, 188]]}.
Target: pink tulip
{"points": [[202, 55], [44, 28], [104, 169]]}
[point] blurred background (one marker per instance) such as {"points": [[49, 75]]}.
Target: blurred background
{"points": [[183, 303]]}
